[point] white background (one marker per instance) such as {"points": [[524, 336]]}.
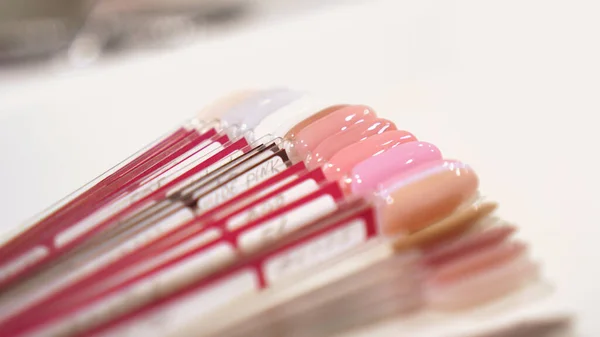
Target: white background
{"points": [[510, 87]]}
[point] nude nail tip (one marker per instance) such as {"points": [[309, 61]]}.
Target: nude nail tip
{"points": [[354, 134], [293, 132], [345, 160], [466, 245], [450, 227], [482, 288], [312, 135], [378, 170], [478, 262], [424, 195]]}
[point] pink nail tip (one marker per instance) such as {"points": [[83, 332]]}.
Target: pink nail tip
{"points": [[338, 121], [354, 134], [367, 175], [342, 163], [421, 171]]}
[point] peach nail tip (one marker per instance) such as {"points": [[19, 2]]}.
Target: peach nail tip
{"points": [[356, 133], [293, 132], [312, 135], [428, 194]]}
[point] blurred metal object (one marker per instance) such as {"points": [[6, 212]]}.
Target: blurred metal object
{"points": [[84, 29]]}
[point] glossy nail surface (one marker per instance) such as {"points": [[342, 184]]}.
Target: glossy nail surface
{"points": [[459, 222], [252, 110], [342, 163], [425, 195], [280, 122], [312, 135], [368, 174], [354, 134], [293, 132]]}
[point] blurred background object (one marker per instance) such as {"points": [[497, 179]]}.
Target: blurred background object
{"points": [[38, 29], [81, 31]]}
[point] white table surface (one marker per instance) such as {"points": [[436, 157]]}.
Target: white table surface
{"points": [[510, 87]]}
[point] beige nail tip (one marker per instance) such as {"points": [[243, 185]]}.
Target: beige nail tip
{"points": [[478, 261], [291, 134], [472, 241], [453, 225], [427, 197], [557, 325], [483, 287]]}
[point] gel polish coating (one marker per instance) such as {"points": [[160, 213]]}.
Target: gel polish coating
{"points": [[291, 134], [366, 175], [451, 227], [342, 163], [354, 134], [252, 110], [312, 135], [469, 244], [425, 195], [220, 107]]}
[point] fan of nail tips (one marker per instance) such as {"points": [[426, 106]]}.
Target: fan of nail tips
{"points": [[280, 212]]}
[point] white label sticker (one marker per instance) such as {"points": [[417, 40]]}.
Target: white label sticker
{"points": [[240, 184], [150, 185], [182, 167], [165, 256], [315, 251], [90, 222], [192, 153], [288, 196], [139, 293], [22, 262], [141, 239], [178, 314], [171, 174], [275, 186], [251, 198], [75, 274], [16, 306], [206, 171], [300, 216]]}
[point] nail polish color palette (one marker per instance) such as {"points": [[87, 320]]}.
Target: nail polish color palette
{"points": [[272, 213]]}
